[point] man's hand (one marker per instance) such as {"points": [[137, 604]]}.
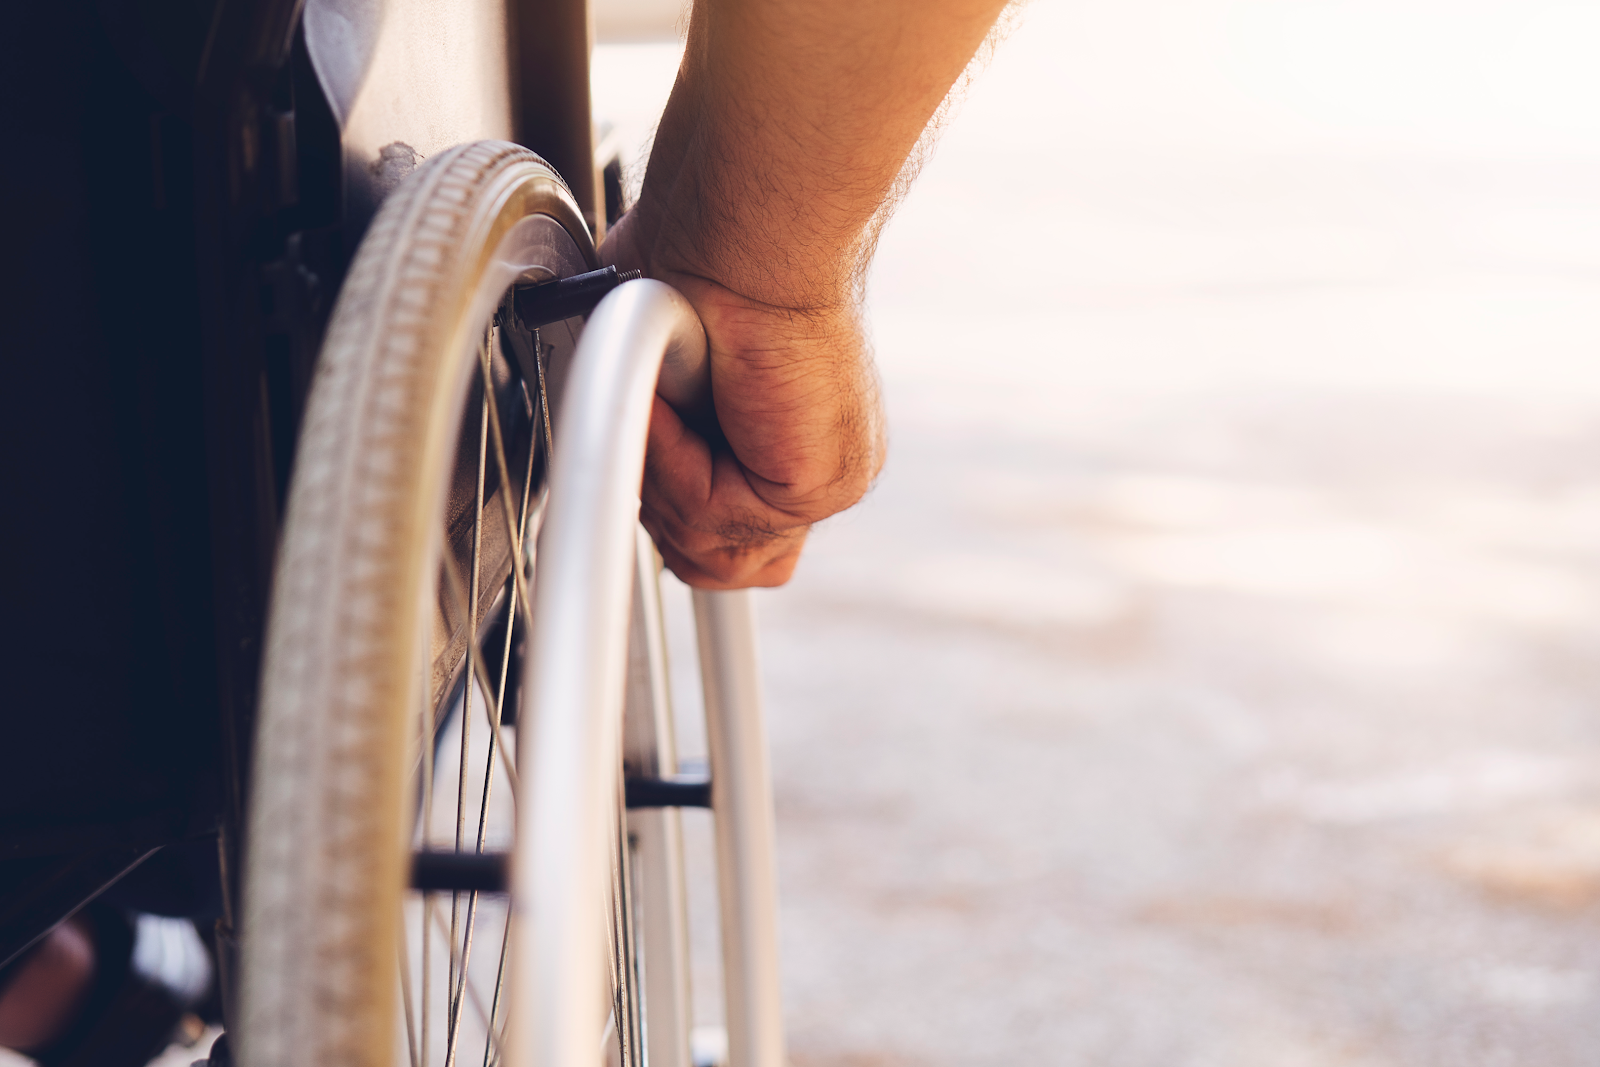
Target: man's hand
{"points": [[774, 166], [798, 434]]}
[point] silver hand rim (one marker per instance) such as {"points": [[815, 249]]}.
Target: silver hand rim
{"points": [[572, 701]]}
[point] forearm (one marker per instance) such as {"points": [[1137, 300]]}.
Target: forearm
{"points": [[787, 130]]}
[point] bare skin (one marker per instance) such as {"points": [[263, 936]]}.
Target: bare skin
{"points": [[45, 995], [775, 163]]}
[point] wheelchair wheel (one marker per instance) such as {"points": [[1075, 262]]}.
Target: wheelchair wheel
{"points": [[402, 593]]}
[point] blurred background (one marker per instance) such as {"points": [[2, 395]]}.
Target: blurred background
{"points": [[1213, 676]]}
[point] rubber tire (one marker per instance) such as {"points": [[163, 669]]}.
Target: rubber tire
{"points": [[330, 810]]}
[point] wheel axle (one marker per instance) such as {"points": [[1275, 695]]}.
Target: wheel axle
{"points": [[540, 305]]}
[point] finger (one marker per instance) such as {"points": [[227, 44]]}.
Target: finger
{"points": [[703, 483], [721, 569], [741, 560], [678, 463], [708, 523]]}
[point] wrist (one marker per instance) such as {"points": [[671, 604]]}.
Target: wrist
{"points": [[686, 227]]}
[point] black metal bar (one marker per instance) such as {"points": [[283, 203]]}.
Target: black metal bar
{"points": [[540, 305], [464, 872], [488, 872], [550, 44], [682, 792]]}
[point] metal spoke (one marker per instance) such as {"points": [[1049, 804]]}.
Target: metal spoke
{"points": [[458, 593], [516, 531], [428, 898], [544, 398], [499, 984], [519, 539], [641, 961], [613, 963], [472, 993], [488, 771], [405, 997], [624, 975], [499, 715], [461, 981], [485, 406], [628, 986], [493, 414]]}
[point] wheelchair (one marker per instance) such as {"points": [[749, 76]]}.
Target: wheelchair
{"points": [[332, 561]]}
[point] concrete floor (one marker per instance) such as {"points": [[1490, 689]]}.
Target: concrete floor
{"points": [[1212, 678]]}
